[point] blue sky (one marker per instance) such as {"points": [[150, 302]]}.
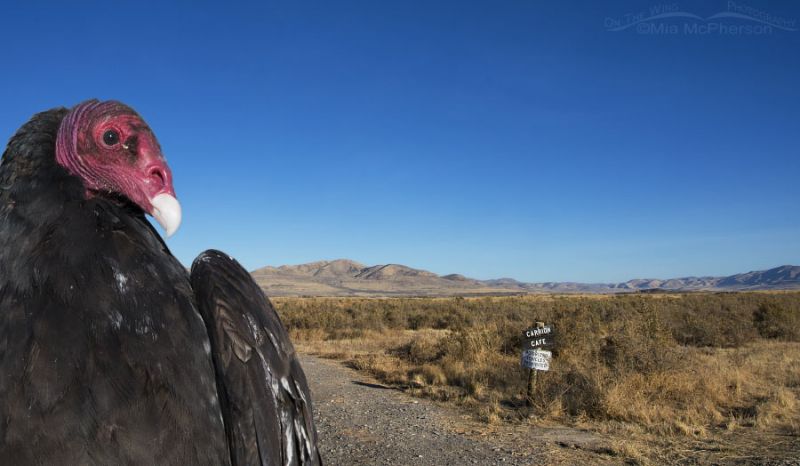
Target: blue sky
{"points": [[514, 138]]}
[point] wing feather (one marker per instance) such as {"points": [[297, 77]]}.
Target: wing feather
{"points": [[264, 396]]}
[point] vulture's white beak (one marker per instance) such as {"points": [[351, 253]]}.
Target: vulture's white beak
{"points": [[167, 212]]}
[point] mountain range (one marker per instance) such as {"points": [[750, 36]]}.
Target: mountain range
{"points": [[343, 277]]}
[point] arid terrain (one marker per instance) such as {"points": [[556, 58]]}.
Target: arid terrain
{"points": [[344, 277], [699, 378], [361, 421]]}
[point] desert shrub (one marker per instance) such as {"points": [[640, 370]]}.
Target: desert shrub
{"points": [[340, 333], [775, 321], [713, 321], [422, 349], [708, 329], [472, 345], [638, 342], [580, 393], [671, 362]]}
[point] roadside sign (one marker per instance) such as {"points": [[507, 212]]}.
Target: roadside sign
{"points": [[537, 359], [539, 337], [533, 357]]}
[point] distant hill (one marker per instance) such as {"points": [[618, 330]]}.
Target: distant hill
{"points": [[785, 276], [345, 277]]}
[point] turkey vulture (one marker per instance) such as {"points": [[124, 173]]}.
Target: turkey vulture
{"points": [[110, 352]]}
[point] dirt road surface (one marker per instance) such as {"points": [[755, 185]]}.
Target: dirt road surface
{"points": [[362, 422]]}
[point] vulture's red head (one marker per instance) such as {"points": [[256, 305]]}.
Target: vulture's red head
{"points": [[112, 150]]}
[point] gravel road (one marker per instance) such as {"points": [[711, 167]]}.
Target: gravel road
{"points": [[362, 422]]}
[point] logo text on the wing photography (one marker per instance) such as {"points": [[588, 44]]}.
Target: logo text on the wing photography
{"points": [[736, 19]]}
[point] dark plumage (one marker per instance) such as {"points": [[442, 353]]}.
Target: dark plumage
{"points": [[260, 377], [104, 357]]}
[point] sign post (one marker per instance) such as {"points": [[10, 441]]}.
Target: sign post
{"points": [[534, 357], [531, 386]]}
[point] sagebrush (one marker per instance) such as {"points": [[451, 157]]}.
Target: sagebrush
{"points": [[677, 364]]}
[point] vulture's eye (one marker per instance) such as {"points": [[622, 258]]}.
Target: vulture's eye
{"points": [[110, 137]]}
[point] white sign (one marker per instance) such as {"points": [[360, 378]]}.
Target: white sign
{"points": [[537, 359]]}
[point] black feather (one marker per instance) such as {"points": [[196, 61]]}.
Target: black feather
{"points": [[263, 391]]}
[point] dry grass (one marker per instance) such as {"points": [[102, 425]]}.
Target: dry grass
{"points": [[681, 366]]}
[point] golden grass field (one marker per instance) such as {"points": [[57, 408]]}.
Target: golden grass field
{"points": [[653, 371]]}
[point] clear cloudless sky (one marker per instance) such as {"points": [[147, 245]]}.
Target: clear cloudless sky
{"points": [[492, 139]]}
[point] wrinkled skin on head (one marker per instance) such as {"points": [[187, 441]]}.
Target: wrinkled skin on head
{"points": [[113, 151]]}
